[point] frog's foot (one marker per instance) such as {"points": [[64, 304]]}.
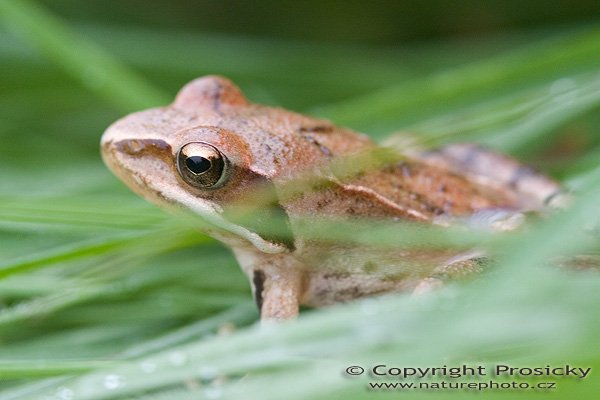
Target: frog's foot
{"points": [[277, 282], [454, 270]]}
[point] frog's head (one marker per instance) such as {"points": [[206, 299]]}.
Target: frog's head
{"points": [[190, 156]]}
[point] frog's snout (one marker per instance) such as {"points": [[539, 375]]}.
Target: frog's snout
{"points": [[116, 149], [133, 158]]}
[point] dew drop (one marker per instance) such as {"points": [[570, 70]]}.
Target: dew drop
{"points": [[177, 358], [148, 367], [208, 373], [213, 392], [112, 381], [65, 393]]}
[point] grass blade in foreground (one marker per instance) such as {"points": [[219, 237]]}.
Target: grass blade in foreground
{"points": [[87, 63], [405, 103], [518, 313]]}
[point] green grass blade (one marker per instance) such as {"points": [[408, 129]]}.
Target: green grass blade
{"points": [[10, 369], [84, 61], [410, 101]]}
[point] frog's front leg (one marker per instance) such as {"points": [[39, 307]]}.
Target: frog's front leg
{"points": [[277, 291], [277, 283]]}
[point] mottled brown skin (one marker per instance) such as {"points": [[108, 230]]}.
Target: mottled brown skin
{"points": [[267, 148]]}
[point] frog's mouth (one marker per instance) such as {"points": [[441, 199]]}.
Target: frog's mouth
{"points": [[123, 159]]}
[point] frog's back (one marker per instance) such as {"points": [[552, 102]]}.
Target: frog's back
{"points": [[434, 191], [459, 180]]}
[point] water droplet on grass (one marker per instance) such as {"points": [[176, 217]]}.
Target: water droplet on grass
{"points": [[177, 358], [113, 381], [213, 392], [208, 373], [65, 393], [148, 367]]}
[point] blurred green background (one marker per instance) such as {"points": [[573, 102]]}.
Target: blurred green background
{"points": [[103, 296], [378, 23]]}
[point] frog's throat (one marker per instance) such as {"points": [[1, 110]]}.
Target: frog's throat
{"points": [[212, 216]]}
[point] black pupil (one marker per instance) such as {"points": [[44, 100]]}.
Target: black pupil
{"points": [[197, 164]]}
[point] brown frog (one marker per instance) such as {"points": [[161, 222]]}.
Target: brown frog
{"points": [[212, 151]]}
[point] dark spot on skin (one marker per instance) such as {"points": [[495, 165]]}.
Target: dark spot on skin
{"points": [[396, 277], [448, 207], [258, 280], [425, 204], [471, 156], [405, 170], [439, 211], [519, 174], [310, 138], [351, 293], [482, 262], [216, 97], [325, 150], [442, 188], [320, 205], [428, 154], [370, 267]]}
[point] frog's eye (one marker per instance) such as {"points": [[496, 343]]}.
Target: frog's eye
{"points": [[201, 165]]}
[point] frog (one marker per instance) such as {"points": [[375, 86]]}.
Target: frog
{"points": [[212, 149]]}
